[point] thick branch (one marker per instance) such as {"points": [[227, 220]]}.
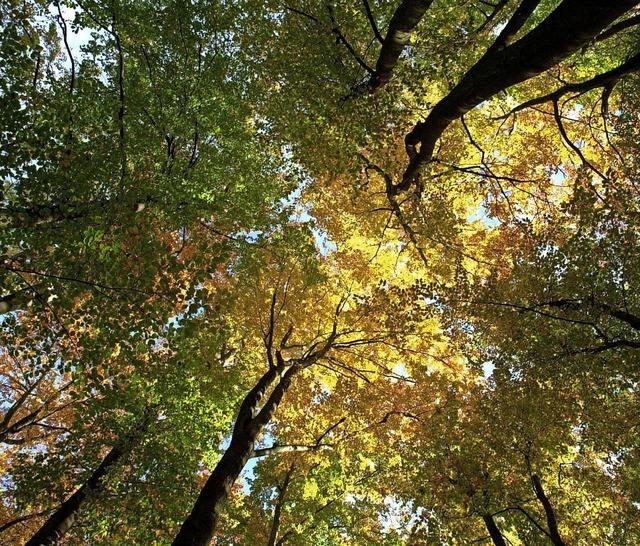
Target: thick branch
{"points": [[577, 304], [497, 8], [6, 427], [515, 23], [571, 25], [624, 316], [198, 528], [552, 524], [401, 26], [18, 520], [62, 519], [618, 27], [287, 448], [608, 345], [271, 405], [601, 80], [494, 532], [248, 408]]}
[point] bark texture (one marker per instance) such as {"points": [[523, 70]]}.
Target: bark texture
{"points": [[401, 26], [494, 532], [552, 523], [64, 517]]}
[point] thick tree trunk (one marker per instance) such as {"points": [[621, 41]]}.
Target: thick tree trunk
{"points": [[494, 532], [552, 523], [64, 517], [569, 27], [401, 26], [198, 528]]}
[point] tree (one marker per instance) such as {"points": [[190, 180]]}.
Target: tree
{"points": [[63, 518], [292, 350], [385, 251]]}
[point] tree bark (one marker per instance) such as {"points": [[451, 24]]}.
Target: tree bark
{"points": [[198, 528], [552, 523], [494, 532], [569, 27], [277, 511], [64, 517], [401, 26], [606, 79]]}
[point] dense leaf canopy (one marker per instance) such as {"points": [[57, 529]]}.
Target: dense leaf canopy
{"points": [[319, 272]]}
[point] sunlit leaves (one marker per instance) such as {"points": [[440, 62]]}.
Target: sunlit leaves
{"points": [[197, 190]]}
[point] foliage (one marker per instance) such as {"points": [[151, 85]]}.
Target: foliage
{"points": [[254, 260]]}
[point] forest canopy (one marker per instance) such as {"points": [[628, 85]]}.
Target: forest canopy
{"points": [[322, 272]]}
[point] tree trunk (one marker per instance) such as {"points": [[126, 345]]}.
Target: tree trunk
{"points": [[64, 517], [569, 27], [494, 532], [401, 26], [198, 528], [552, 523]]}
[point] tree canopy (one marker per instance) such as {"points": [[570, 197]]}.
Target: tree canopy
{"points": [[319, 272]]}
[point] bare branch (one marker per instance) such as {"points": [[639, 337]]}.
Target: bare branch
{"points": [[65, 38], [372, 21], [335, 425], [304, 14], [340, 38]]}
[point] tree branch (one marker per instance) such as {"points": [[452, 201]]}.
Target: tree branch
{"points": [[401, 26], [515, 23], [618, 27], [494, 532], [277, 449], [275, 524], [554, 535], [571, 25], [372, 21], [340, 38], [601, 80]]}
